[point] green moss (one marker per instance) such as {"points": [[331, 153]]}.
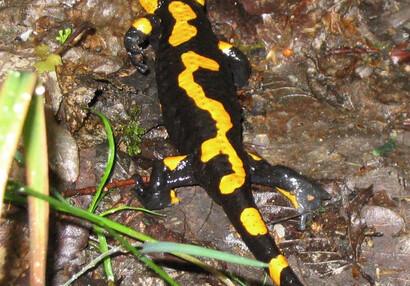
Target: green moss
{"points": [[131, 133]]}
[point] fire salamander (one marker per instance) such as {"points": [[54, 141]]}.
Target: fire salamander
{"points": [[197, 77]]}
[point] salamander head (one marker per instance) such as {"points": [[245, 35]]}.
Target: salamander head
{"points": [[150, 6]]}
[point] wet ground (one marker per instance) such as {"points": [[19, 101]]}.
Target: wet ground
{"points": [[328, 96]]}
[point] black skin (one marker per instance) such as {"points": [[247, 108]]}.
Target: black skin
{"points": [[188, 127]]}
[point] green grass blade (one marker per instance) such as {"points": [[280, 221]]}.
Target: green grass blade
{"points": [[122, 208], [110, 160], [19, 157], [97, 260], [15, 96], [173, 247], [108, 225], [142, 258], [104, 248], [36, 163], [13, 187], [99, 195], [64, 207]]}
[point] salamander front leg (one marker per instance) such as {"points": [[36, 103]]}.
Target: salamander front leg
{"points": [[305, 196], [167, 174], [143, 31]]}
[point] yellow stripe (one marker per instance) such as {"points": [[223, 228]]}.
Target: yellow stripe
{"points": [[182, 31], [220, 143], [173, 162], [276, 265], [252, 221]]}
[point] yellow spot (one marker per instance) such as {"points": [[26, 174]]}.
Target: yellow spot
{"points": [[291, 197], [276, 265], [253, 222], [182, 31], [254, 157], [220, 143], [224, 46], [143, 25], [149, 5], [173, 162], [310, 198], [174, 198]]}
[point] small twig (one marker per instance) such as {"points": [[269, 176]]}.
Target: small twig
{"points": [[351, 51], [92, 190], [71, 39], [295, 95], [392, 120], [336, 4]]}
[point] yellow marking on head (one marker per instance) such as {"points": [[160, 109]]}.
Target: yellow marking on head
{"points": [[149, 5], [224, 46], [220, 143], [252, 221], [255, 157], [182, 31], [173, 162], [174, 198], [276, 265], [291, 197], [143, 25]]}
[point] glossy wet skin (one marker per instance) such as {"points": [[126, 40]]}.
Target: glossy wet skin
{"points": [[197, 90]]}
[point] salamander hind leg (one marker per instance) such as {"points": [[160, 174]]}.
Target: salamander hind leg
{"points": [[167, 174], [305, 196], [143, 31]]}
